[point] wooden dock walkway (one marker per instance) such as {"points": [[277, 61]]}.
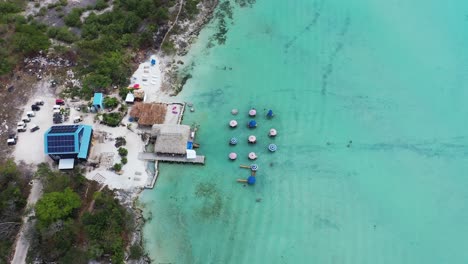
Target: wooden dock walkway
{"points": [[152, 156]]}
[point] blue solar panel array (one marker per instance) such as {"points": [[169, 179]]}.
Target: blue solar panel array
{"points": [[63, 129], [61, 144]]}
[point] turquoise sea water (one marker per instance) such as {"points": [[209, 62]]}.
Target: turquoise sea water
{"points": [[390, 76]]}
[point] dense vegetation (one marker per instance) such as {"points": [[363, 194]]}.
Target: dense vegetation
{"points": [[107, 40], [14, 190], [18, 37], [76, 222]]}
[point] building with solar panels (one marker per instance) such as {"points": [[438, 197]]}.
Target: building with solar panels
{"points": [[66, 144]]}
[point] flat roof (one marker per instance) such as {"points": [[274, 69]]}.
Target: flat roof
{"points": [[85, 142], [66, 164], [98, 97]]}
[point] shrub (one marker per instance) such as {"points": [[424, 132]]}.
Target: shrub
{"points": [[110, 102], [123, 152], [124, 160], [136, 252], [117, 167], [73, 18], [112, 119], [100, 5]]}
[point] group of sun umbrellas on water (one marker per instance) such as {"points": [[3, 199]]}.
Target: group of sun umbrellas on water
{"points": [[252, 139]]}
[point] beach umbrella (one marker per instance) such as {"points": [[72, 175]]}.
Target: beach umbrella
{"points": [[233, 123], [254, 167], [252, 112], [252, 155], [252, 139], [153, 62], [251, 180], [272, 147], [234, 111], [232, 156], [252, 123], [272, 132], [270, 113], [136, 86], [233, 141]]}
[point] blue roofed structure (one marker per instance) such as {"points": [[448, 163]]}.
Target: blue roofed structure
{"points": [[98, 101], [68, 142]]}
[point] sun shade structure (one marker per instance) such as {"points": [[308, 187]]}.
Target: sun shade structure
{"points": [[233, 141], [254, 167], [251, 180], [148, 114], [252, 124], [252, 156], [68, 142], [252, 139], [234, 111], [252, 112], [270, 114], [272, 147]]}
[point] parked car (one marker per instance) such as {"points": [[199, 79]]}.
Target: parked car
{"points": [[77, 119], [58, 118], [31, 114], [21, 128], [35, 108], [34, 128], [59, 102], [12, 139], [21, 124], [26, 119], [38, 102], [57, 107]]}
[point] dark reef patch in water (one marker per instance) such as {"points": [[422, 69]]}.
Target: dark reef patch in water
{"points": [[212, 200]]}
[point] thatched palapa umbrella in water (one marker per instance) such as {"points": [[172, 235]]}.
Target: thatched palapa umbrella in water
{"points": [[233, 123], [232, 156], [252, 112], [252, 139], [252, 156], [272, 132]]}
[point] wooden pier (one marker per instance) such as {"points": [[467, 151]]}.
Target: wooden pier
{"points": [[163, 158]]}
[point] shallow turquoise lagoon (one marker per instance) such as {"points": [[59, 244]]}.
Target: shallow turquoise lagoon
{"points": [[389, 76]]}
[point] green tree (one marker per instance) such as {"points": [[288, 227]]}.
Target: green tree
{"points": [[57, 206]]}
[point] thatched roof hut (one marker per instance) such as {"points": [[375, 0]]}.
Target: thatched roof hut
{"points": [[171, 139], [149, 114]]}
